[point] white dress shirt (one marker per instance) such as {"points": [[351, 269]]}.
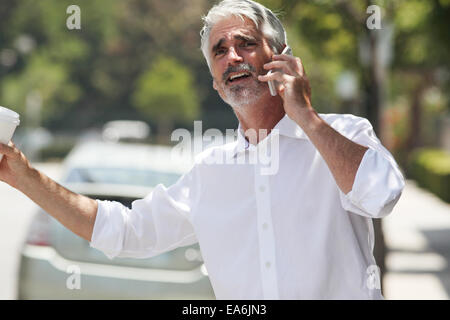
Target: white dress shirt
{"points": [[292, 234]]}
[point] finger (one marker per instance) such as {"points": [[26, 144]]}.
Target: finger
{"points": [[283, 65], [295, 62], [299, 64], [285, 57], [301, 67], [277, 75], [7, 150], [280, 88]]}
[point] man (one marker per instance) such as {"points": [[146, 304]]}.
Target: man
{"points": [[301, 232]]}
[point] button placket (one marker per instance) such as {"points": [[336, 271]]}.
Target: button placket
{"points": [[265, 236]]}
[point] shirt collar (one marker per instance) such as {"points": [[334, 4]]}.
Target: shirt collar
{"points": [[285, 127], [288, 127]]}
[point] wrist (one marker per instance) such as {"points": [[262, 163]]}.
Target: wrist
{"points": [[308, 119], [27, 180]]}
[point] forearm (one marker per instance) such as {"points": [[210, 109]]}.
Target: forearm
{"points": [[74, 211], [342, 155]]}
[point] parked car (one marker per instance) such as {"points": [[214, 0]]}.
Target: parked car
{"points": [[52, 255], [125, 130]]}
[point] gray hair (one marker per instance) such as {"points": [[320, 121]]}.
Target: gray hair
{"points": [[264, 19]]}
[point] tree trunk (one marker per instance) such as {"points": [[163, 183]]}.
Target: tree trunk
{"points": [[414, 140], [165, 128], [373, 79]]}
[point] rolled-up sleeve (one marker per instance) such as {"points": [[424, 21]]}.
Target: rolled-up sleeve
{"points": [[378, 182], [158, 223]]}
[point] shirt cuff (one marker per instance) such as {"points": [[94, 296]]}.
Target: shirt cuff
{"points": [[377, 187], [109, 228]]}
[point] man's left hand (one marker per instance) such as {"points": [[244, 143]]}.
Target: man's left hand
{"points": [[292, 83]]}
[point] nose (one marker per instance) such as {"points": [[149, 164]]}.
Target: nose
{"points": [[233, 56]]}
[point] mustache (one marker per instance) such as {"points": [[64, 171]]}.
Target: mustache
{"points": [[240, 68]]}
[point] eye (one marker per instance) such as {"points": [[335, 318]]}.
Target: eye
{"points": [[220, 51], [249, 44]]}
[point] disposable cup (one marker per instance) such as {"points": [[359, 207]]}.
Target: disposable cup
{"points": [[9, 120]]}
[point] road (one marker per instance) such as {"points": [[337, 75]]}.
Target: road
{"points": [[417, 236], [16, 212]]}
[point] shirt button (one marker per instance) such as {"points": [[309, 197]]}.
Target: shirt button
{"points": [[262, 188], [268, 264], [265, 226]]}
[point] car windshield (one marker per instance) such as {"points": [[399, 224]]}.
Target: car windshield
{"points": [[138, 177]]}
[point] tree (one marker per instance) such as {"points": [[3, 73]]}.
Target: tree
{"points": [[166, 92], [40, 91]]}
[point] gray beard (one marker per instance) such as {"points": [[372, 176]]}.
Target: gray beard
{"points": [[239, 95]]}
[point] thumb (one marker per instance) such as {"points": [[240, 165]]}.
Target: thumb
{"points": [[7, 150]]}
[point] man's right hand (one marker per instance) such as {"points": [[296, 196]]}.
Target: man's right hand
{"points": [[76, 212], [14, 166]]}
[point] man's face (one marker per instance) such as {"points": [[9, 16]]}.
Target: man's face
{"points": [[238, 52]]}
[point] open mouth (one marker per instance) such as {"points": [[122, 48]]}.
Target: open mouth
{"points": [[238, 76]]}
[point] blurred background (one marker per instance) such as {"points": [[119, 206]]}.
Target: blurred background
{"points": [[140, 60]]}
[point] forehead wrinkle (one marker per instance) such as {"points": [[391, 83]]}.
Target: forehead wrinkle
{"points": [[245, 30], [218, 44], [240, 36]]}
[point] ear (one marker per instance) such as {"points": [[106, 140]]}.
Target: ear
{"points": [[275, 51]]}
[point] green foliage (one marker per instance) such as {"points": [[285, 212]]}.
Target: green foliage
{"points": [[57, 150], [431, 169], [89, 76], [43, 80], [420, 26], [166, 91]]}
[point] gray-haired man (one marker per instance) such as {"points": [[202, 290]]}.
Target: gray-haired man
{"points": [[302, 232]]}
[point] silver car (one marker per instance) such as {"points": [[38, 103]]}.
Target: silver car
{"points": [[57, 264]]}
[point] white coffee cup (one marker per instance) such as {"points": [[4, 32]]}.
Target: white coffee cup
{"points": [[9, 120]]}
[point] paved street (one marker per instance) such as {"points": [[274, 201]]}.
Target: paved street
{"points": [[417, 235], [16, 212]]}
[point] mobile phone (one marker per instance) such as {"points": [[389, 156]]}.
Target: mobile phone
{"points": [[272, 88]]}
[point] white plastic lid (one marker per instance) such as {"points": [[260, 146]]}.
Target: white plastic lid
{"points": [[9, 115]]}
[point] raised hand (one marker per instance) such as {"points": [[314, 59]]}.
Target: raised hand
{"points": [[293, 85], [14, 166]]}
